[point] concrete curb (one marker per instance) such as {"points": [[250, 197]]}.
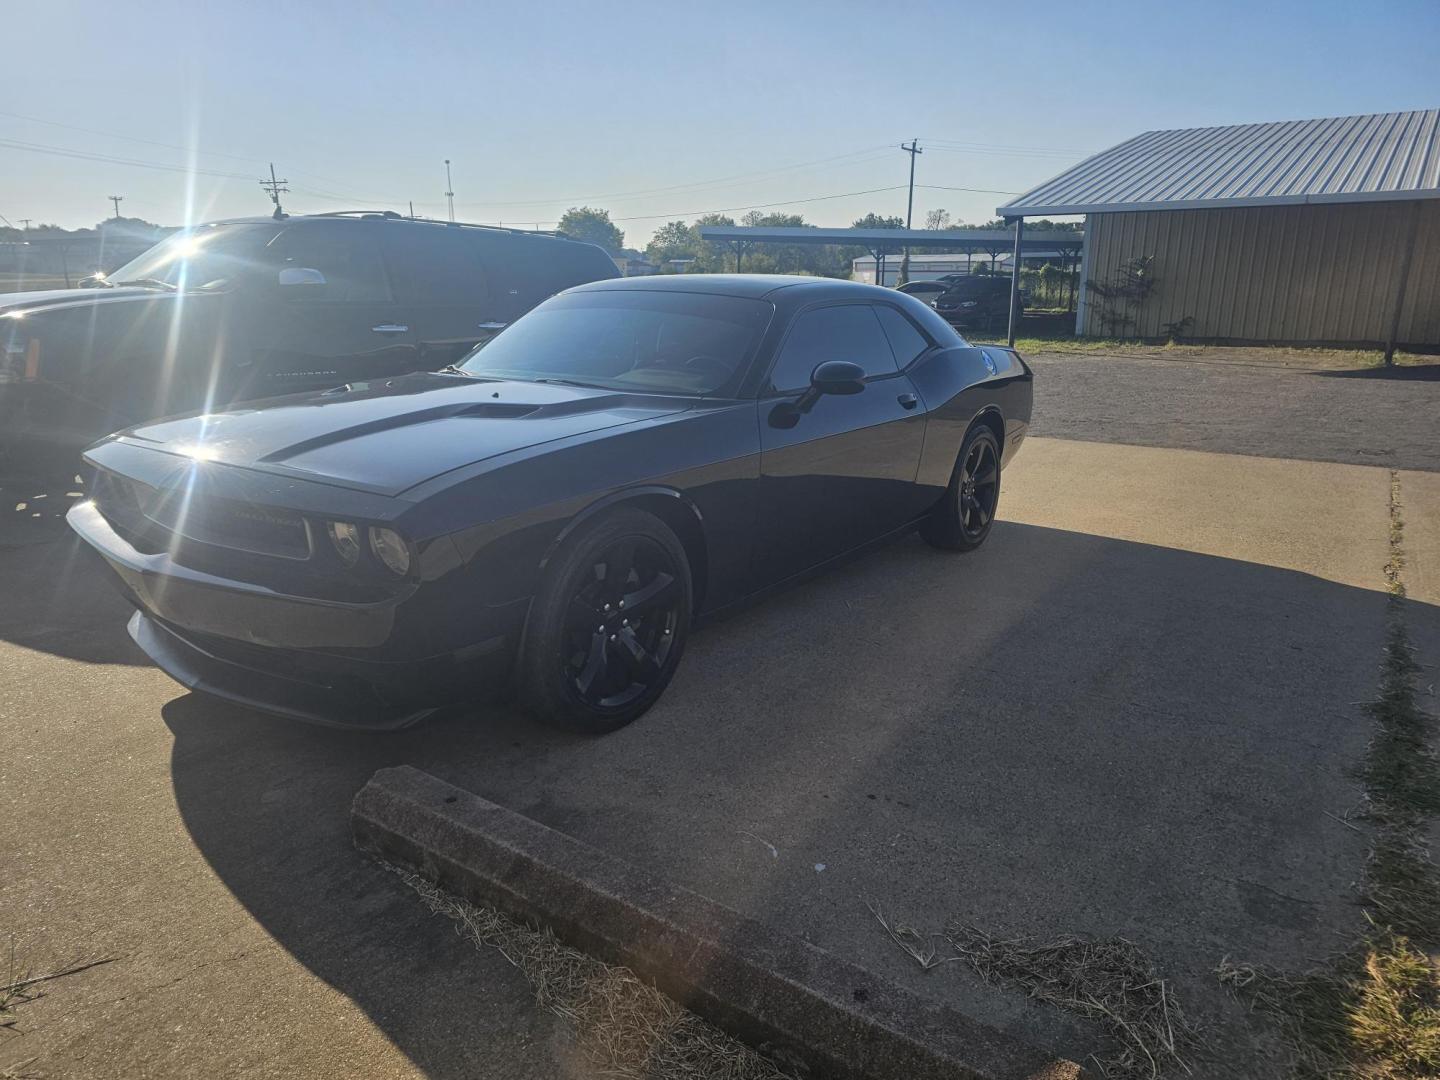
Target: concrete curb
{"points": [[784, 996]]}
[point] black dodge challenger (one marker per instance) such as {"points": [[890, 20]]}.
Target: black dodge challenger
{"points": [[555, 511]]}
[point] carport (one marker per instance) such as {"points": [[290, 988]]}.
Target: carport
{"points": [[1318, 232], [879, 242]]}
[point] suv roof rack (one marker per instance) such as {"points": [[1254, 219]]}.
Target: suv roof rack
{"points": [[391, 215]]}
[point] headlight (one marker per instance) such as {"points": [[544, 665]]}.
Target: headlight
{"points": [[390, 549], [346, 538]]}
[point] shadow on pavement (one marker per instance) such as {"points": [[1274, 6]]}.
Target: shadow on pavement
{"points": [[57, 597], [1407, 373], [32, 511], [1059, 734]]}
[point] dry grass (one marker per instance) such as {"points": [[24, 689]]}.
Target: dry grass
{"points": [[1110, 982], [626, 1028]]}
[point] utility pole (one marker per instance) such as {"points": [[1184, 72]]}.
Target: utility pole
{"points": [[117, 200], [25, 224], [449, 189], [274, 188], [913, 150]]}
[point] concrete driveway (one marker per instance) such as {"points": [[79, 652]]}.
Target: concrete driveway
{"points": [[1133, 712]]}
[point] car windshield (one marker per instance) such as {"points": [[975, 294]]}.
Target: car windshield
{"points": [[650, 341], [207, 257]]}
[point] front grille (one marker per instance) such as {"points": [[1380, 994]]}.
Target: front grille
{"points": [[224, 523]]}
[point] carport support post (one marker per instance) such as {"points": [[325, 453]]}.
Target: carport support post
{"points": [[1412, 225], [1015, 279]]}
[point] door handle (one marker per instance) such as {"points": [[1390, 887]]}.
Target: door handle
{"points": [[492, 326], [908, 401], [389, 328]]}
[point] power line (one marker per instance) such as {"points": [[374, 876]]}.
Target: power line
{"points": [[251, 158], [974, 190], [758, 206], [110, 159], [129, 138]]}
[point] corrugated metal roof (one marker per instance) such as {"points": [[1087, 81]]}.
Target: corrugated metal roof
{"points": [[1376, 157]]}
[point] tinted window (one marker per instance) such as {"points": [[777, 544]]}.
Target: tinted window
{"points": [[849, 332], [661, 342], [207, 257], [435, 264], [905, 340], [348, 256]]}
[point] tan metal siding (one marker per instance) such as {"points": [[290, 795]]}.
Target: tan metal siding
{"points": [[1284, 273]]}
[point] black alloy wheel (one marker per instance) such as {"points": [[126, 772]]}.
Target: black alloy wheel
{"points": [[962, 519], [608, 625], [979, 487], [620, 625]]}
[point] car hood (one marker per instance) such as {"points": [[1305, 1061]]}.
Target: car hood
{"points": [[388, 436], [26, 302]]}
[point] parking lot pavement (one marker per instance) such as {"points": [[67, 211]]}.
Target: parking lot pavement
{"points": [[1361, 417], [1131, 713]]}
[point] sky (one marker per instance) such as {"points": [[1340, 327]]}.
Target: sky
{"points": [[653, 111]]}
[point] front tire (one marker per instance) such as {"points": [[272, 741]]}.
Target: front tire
{"points": [[962, 519], [608, 625]]}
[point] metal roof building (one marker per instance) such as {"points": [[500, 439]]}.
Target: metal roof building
{"points": [[1323, 231]]}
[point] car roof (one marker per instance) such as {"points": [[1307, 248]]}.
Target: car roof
{"points": [[390, 217], [758, 286]]}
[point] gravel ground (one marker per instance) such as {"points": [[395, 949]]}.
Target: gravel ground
{"points": [[1356, 417]]}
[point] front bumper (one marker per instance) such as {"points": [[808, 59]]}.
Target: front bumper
{"points": [[267, 650], [346, 694]]}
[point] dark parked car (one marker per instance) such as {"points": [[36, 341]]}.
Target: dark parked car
{"points": [[260, 307], [630, 455], [924, 290], [977, 301]]}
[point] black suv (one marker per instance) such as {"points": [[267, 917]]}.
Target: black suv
{"points": [[977, 301], [261, 307]]}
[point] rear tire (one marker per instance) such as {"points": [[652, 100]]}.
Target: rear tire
{"points": [[608, 625], [962, 519]]}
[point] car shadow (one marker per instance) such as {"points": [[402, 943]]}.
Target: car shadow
{"points": [[32, 510], [56, 596], [1058, 734]]}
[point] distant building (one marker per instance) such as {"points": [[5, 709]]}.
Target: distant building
{"points": [[634, 264], [1301, 231]]}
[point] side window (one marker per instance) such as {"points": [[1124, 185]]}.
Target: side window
{"points": [[435, 264], [907, 341], [349, 257], [845, 332]]}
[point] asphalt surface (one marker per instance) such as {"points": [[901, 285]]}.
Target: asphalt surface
{"points": [[1361, 417], [1133, 712]]}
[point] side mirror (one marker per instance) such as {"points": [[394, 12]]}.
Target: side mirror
{"points": [[300, 275], [831, 377], [837, 377]]}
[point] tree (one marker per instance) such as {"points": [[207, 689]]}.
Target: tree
{"points": [[876, 221], [937, 219], [673, 240], [592, 226]]}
